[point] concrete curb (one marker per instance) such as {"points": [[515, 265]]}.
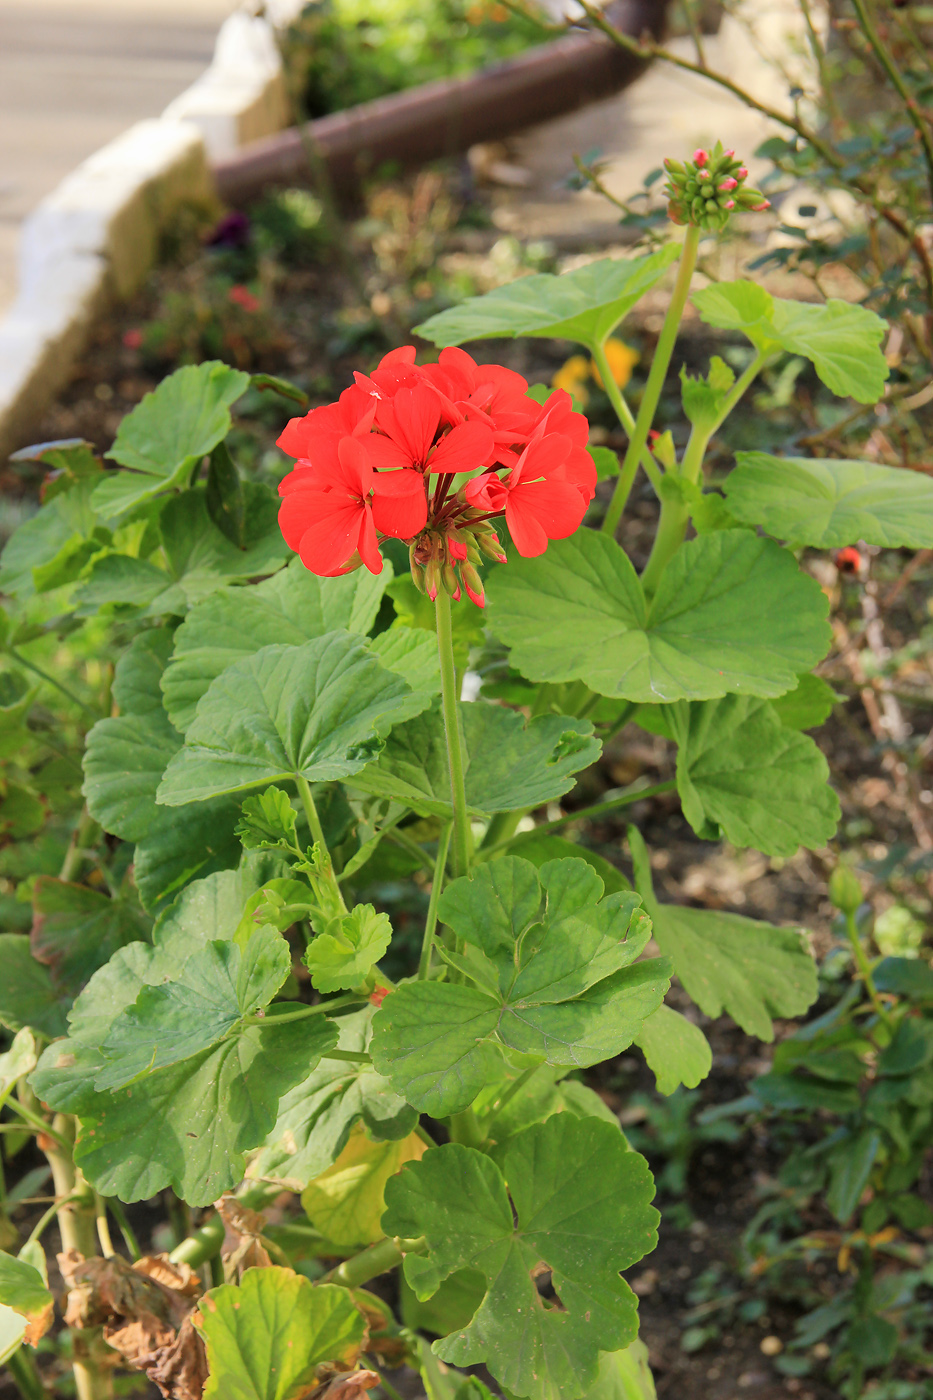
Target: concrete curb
{"points": [[91, 242]]}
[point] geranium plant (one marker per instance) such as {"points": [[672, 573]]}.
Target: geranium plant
{"points": [[208, 1006]]}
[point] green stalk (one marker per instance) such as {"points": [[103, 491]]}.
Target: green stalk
{"points": [[202, 1245], [864, 967], [370, 1263], [597, 809], [50, 680], [675, 513], [658, 373], [624, 415], [22, 1367], [450, 701], [76, 1223], [317, 835], [437, 884], [320, 1009]]}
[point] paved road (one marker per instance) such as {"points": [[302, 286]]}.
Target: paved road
{"points": [[74, 74]]}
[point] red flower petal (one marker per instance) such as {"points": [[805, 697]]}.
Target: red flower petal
{"points": [[463, 449], [400, 505]]}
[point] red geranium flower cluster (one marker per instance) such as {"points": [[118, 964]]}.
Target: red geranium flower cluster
{"points": [[384, 460]]}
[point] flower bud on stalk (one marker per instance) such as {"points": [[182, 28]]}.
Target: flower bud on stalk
{"points": [[705, 190]]}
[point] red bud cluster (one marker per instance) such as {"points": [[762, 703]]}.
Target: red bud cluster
{"points": [[704, 191]]}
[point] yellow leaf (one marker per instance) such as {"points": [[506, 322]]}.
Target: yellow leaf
{"points": [[346, 1202]]}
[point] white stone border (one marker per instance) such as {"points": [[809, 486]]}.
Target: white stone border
{"points": [[90, 243]]}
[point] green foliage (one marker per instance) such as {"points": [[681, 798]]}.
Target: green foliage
{"points": [[318, 711], [584, 305], [554, 976], [842, 341], [267, 1336], [579, 613], [831, 504], [167, 434], [581, 1209]]}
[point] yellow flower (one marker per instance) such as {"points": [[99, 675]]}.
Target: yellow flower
{"points": [[622, 360], [572, 377]]}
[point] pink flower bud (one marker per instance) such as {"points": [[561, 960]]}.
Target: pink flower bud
{"points": [[700, 156], [728, 155], [703, 176], [765, 204], [729, 204], [741, 173], [728, 184]]}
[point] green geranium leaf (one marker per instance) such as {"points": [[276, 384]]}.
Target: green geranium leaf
{"points": [[584, 305], [580, 614], [216, 988], [318, 711], [842, 341], [266, 1337], [316, 1116], [578, 1203], [624, 1375], [344, 953], [750, 970], [509, 763], [540, 848], [168, 433], [829, 504], [412, 654], [269, 820], [28, 996], [677, 1051], [124, 759], [199, 559], [552, 961], [743, 774], [808, 705], [76, 930], [187, 1125], [139, 672], [52, 547], [291, 607]]}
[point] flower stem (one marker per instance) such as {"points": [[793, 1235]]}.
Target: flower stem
{"points": [[624, 415], [320, 1009], [656, 377], [598, 809], [462, 837], [864, 968], [370, 1263], [50, 680], [437, 884], [317, 835]]}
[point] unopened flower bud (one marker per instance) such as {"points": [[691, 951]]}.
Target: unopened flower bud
{"points": [[473, 585], [488, 542], [741, 173], [728, 184], [417, 577], [700, 156], [432, 578], [845, 889], [729, 204], [451, 582]]}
